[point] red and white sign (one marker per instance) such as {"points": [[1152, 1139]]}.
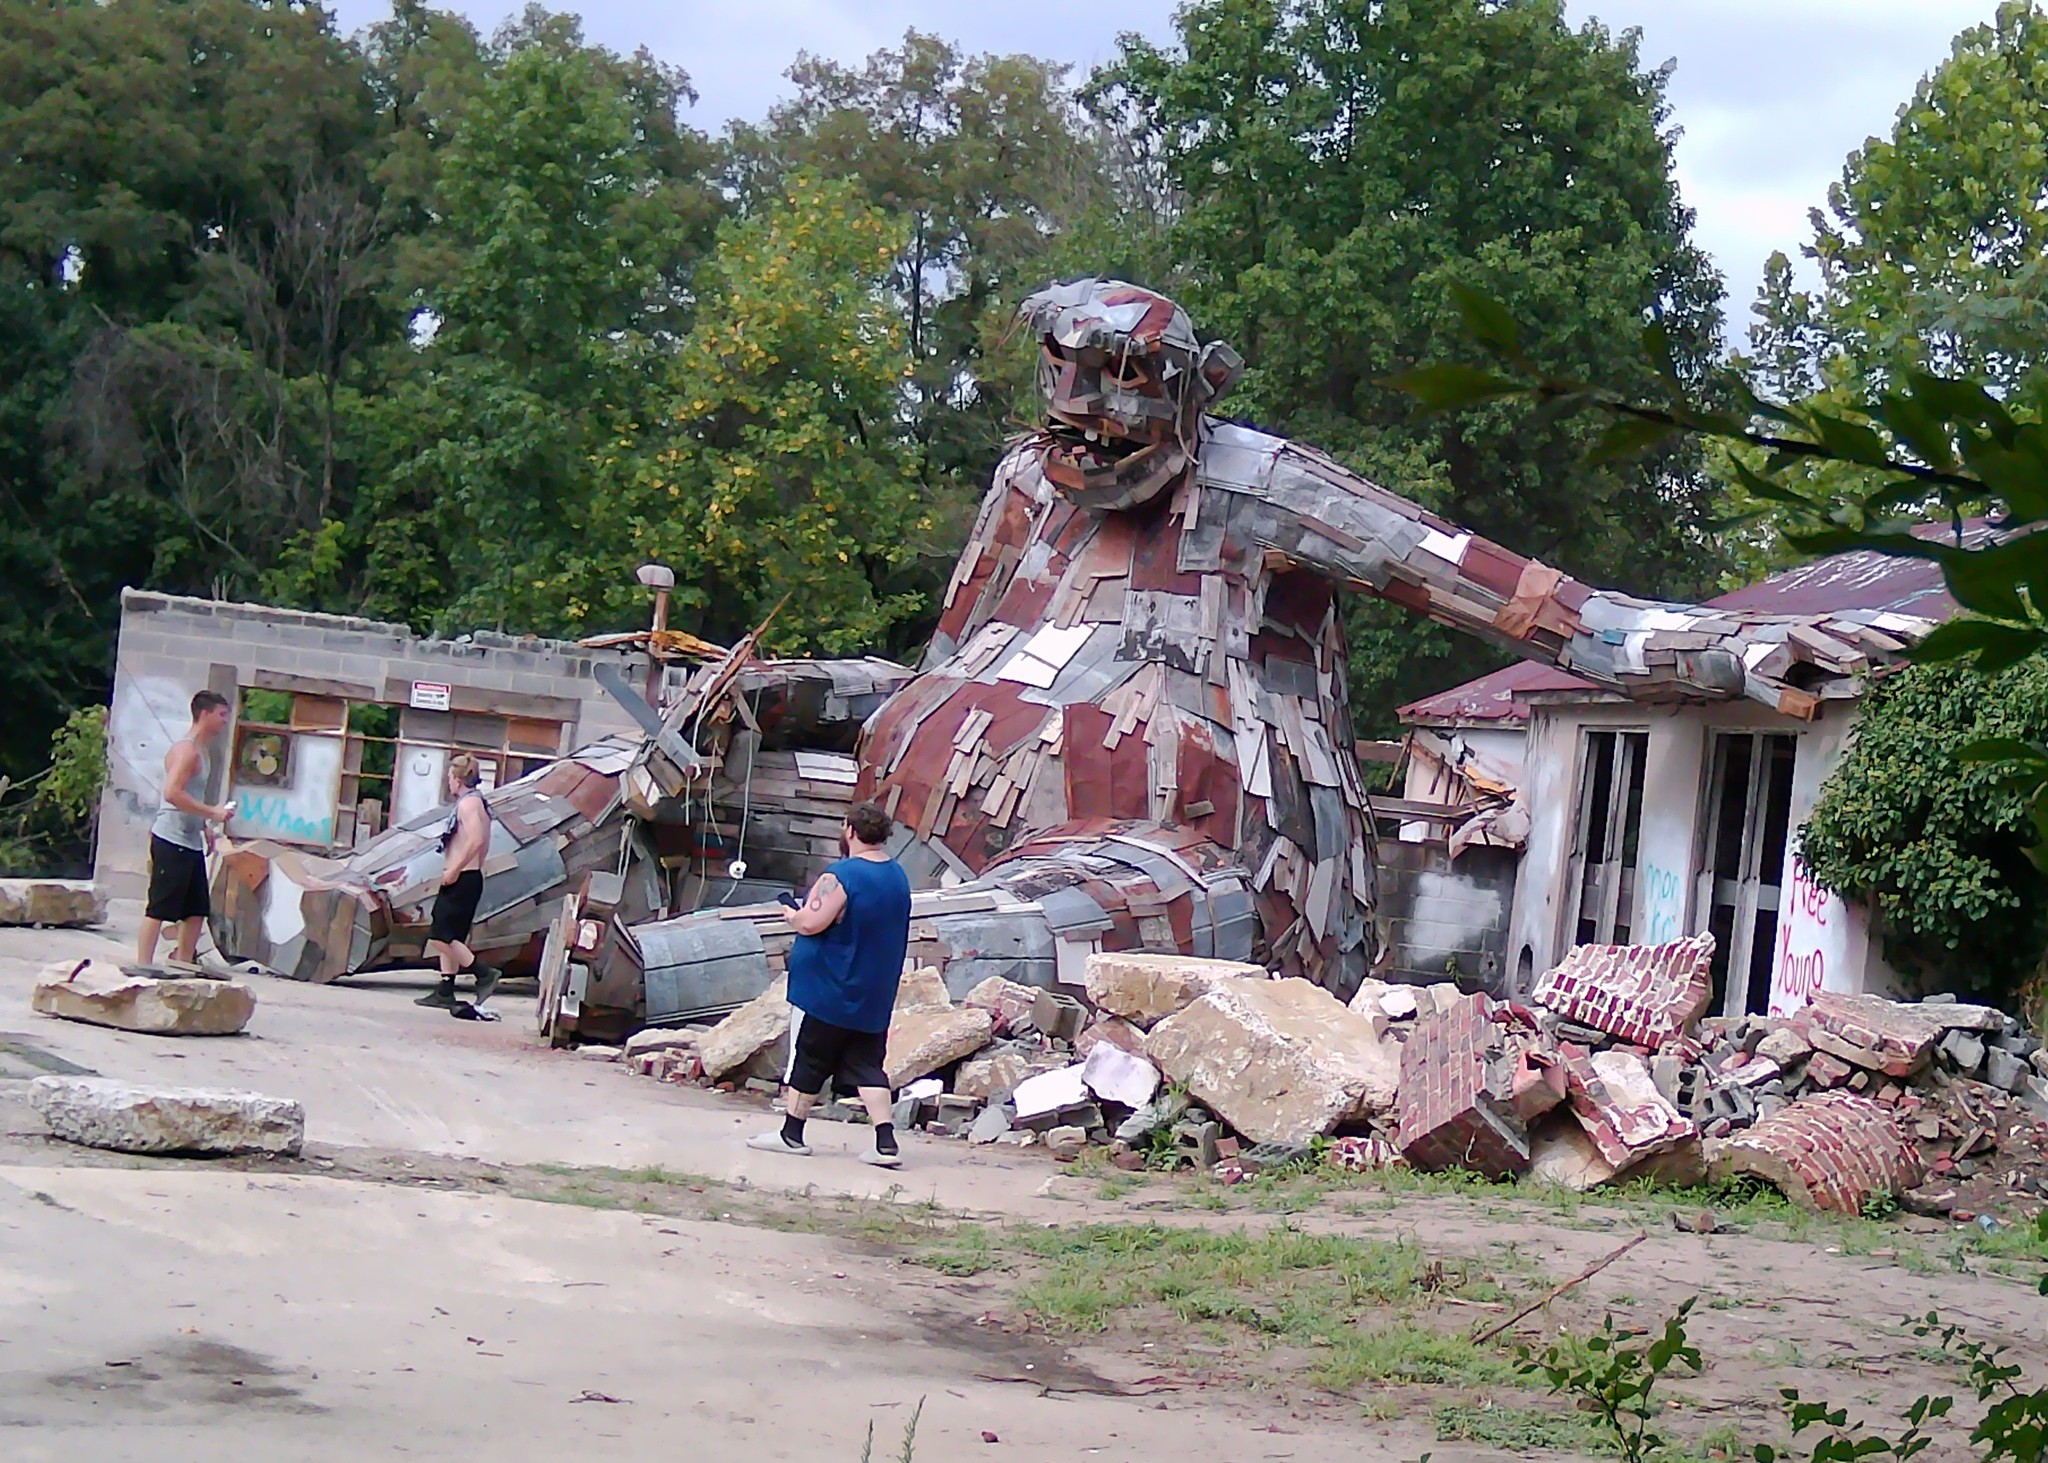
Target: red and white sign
{"points": [[430, 695]]}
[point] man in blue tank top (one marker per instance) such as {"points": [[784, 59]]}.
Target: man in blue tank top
{"points": [[852, 932]]}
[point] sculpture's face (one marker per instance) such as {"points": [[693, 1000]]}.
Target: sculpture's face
{"points": [[1124, 382]]}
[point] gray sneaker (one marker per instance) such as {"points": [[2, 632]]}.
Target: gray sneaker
{"points": [[776, 1143], [441, 996], [487, 978]]}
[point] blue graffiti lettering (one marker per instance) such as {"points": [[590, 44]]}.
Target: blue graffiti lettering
{"points": [[274, 815], [1663, 904]]}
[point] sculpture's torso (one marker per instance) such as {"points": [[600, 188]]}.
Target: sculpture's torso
{"points": [[1154, 665]]}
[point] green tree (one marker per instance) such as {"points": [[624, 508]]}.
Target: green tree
{"points": [[566, 206], [1931, 248], [776, 461], [1934, 844], [988, 163], [1929, 255], [171, 340], [1340, 163]]}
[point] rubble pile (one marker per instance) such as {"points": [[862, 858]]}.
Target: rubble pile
{"points": [[1609, 1071]]}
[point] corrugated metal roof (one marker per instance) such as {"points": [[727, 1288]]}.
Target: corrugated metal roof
{"points": [[1859, 581]]}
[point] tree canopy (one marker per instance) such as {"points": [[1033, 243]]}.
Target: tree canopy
{"points": [[458, 329]]}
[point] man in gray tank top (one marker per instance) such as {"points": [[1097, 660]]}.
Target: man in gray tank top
{"points": [[183, 831]]}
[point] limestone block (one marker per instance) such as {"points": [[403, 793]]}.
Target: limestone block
{"points": [[1006, 1000], [995, 1073], [661, 1039], [1115, 1075], [1147, 988], [100, 1112], [922, 1040], [1281, 1061], [97, 992], [54, 902], [747, 1033], [1114, 1030], [923, 989]]}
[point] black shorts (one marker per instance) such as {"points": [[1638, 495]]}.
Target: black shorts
{"points": [[455, 908], [820, 1052], [177, 882]]}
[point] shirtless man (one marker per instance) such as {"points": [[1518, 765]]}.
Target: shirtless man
{"points": [[464, 842], [183, 832]]}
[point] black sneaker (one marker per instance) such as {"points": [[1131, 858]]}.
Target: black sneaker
{"points": [[441, 996], [487, 978]]}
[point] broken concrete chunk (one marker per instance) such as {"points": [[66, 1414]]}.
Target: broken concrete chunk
{"points": [[1831, 1152], [1115, 1075], [1066, 1143], [1280, 1060], [56, 903], [1114, 1030], [922, 1039], [97, 992], [1785, 1045], [2004, 1070], [923, 989], [1641, 994], [995, 1073], [1397, 1002], [747, 1033], [989, 1124], [1564, 1156], [1962, 1050], [662, 1039], [1049, 1092], [1005, 1000], [100, 1112], [1147, 988], [1057, 1015]]}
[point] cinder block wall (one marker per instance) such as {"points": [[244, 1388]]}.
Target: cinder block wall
{"points": [[171, 646], [1445, 918]]}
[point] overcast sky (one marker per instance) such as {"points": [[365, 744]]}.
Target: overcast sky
{"points": [[1771, 95]]}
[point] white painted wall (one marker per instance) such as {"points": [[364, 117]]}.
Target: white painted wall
{"points": [[1824, 942]]}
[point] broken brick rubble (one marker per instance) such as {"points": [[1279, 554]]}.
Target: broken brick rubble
{"points": [[1641, 994]]}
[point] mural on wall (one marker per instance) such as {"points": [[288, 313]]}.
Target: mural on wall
{"points": [[143, 726], [299, 811]]}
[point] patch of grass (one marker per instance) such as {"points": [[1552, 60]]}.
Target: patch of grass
{"points": [[1717, 1444], [1410, 1353], [968, 1250], [1346, 1299], [1518, 1429]]}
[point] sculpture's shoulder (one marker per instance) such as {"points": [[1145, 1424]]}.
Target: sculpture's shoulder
{"points": [[1242, 459], [1236, 458]]}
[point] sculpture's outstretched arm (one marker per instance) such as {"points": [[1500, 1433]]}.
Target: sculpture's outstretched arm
{"points": [[1311, 512]]}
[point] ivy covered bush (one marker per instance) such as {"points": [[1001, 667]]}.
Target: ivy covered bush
{"points": [[1936, 846]]}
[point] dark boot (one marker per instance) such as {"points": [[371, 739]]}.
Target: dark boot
{"points": [[487, 978], [441, 996]]}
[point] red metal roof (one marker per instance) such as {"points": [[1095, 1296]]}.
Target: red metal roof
{"points": [[1859, 581]]}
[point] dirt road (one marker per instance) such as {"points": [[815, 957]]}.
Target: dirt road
{"points": [[495, 1250]]}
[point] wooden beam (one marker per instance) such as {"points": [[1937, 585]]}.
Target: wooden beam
{"points": [[489, 701], [269, 680]]}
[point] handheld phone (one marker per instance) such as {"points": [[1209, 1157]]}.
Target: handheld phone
{"points": [[788, 899]]}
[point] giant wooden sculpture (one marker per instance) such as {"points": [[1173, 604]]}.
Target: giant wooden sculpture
{"points": [[1130, 730]]}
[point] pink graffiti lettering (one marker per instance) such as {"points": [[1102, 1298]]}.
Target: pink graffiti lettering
{"points": [[1799, 977], [1808, 898]]}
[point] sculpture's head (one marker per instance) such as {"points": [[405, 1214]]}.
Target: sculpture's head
{"points": [[1125, 382]]}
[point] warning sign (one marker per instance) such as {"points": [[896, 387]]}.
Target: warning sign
{"points": [[430, 695]]}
